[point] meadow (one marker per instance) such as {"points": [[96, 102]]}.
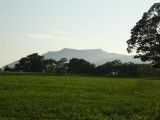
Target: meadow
{"points": [[38, 96]]}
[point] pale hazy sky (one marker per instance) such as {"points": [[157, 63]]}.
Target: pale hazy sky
{"points": [[29, 26]]}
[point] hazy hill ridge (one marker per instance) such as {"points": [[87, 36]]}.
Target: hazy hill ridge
{"points": [[96, 56]]}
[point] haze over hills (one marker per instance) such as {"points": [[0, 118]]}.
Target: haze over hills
{"points": [[96, 56]]}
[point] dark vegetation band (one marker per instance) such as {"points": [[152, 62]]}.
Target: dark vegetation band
{"points": [[37, 63]]}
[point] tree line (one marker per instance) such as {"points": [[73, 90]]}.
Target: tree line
{"points": [[37, 63]]}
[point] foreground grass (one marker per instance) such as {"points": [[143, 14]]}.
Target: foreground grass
{"points": [[27, 96]]}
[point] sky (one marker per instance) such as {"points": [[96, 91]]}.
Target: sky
{"points": [[39, 26]]}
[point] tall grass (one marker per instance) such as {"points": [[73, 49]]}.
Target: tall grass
{"points": [[26, 96]]}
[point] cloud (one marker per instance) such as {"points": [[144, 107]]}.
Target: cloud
{"points": [[39, 36], [97, 39], [59, 32], [49, 36]]}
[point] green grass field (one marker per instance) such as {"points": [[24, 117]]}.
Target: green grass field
{"points": [[35, 96]]}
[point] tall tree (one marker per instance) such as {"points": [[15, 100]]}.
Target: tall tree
{"points": [[109, 68], [31, 63], [61, 66], [80, 66], [7, 68], [145, 36], [49, 65], [117, 68]]}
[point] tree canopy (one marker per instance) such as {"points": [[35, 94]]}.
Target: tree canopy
{"points": [[80, 66], [31, 63], [37, 63], [145, 36], [7, 68]]}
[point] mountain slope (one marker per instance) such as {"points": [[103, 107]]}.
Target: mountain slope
{"points": [[96, 56]]}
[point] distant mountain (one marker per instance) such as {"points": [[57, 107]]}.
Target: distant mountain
{"points": [[96, 56]]}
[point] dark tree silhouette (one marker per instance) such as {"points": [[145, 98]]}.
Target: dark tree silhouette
{"points": [[31, 63], [61, 66], [109, 68], [145, 37], [7, 68], [80, 66], [50, 65], [117, 68]]}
